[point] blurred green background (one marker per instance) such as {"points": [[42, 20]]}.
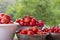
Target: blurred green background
{"points": [[46, 10]]}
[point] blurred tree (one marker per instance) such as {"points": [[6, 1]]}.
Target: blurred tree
{"points": [[46, 10]]}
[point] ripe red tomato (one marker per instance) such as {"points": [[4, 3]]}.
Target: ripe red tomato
{"points": [[30, 33]]}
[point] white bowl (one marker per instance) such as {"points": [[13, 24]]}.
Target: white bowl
{"points": [[7, 31]]}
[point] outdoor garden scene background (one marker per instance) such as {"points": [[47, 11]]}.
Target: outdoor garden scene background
{"points": [[46, 10]]}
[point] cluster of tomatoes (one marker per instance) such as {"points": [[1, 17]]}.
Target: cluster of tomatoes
{"points": [[54, 29], [35, 30], [5, 19], [29, 21], [31, 31]]}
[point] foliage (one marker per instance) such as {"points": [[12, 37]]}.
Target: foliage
{"points": [[46, 10]]}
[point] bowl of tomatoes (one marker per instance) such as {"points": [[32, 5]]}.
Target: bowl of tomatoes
{"points": [[33, 33], [7, 27]]}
